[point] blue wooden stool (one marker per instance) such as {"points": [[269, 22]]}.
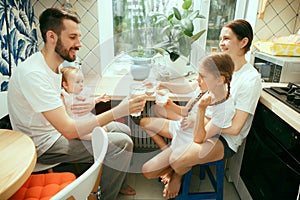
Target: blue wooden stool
{"points": [[217, 182]]}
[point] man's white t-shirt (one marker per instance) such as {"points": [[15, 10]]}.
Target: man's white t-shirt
{"points": [[245, 90], [34, 88]]}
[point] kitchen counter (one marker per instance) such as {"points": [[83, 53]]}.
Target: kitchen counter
{"points": [[286, 113], [117, 87]]}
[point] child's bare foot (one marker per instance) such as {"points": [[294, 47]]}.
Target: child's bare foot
{"points": [[166, 178], [172, 188]]}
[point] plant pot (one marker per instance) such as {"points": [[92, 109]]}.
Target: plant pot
{"points": [[140, 72], [142, 59]]}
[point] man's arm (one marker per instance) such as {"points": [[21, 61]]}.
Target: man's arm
{"points": [[68, 127], [75, 128]]}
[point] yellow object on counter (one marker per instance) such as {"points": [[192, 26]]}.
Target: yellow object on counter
{"points": [[278, 49]]}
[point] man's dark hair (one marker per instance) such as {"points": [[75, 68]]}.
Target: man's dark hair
{"points": [[52, 19]]}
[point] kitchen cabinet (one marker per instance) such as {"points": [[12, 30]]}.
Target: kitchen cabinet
{"points": [[271, 156], [280, 113]]}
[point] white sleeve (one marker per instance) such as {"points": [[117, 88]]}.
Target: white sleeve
{"points": [[40, 92]]}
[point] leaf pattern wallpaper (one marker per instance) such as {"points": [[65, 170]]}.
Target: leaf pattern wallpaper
{"points": [[18, 35]]}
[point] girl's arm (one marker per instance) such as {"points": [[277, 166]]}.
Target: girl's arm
{"points": [[204, 128], [200, 132]]}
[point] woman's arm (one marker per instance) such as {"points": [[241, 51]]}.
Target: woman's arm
{"points": [[183, 87], [238, 123]]}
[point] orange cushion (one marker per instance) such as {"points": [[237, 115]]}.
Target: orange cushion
{"points": [[43, 186]]}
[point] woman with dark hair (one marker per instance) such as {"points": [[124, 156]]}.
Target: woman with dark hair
{"points": [[235, 40]]}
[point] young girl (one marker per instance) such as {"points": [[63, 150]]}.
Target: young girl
{"points": [[214, 109]]}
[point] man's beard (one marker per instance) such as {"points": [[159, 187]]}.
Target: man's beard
{"points": [[64, 53]]}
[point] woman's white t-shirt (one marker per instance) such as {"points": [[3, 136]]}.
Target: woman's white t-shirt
{"points": [[245, 91]]}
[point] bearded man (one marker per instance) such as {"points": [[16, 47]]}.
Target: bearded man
{"points": [[36, 109]]}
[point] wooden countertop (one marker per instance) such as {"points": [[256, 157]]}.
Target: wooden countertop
{"points": [[283, 111], [17, 161], [117, 87]]}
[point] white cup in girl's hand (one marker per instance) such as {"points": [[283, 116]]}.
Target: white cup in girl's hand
{"points": [[137, 89], [162, 96], [150, 85]]}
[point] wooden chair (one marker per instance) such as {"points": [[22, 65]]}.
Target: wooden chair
{"points": [[85, 185]]}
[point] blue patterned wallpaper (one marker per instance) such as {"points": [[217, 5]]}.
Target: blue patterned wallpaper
{"points": [[18, 35]]}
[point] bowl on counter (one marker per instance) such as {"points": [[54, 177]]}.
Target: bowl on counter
{"points": [[142, 62]]}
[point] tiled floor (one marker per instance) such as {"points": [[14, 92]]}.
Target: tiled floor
{"points": [[152, 189]]}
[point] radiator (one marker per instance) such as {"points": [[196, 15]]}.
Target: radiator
{"points": [[140, 137]]}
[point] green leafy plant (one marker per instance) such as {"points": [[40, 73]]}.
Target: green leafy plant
{"points": [[178, 28]]}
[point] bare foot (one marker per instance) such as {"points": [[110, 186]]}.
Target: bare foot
{"points": [[166, 178], [172, 188], [128, 191]]}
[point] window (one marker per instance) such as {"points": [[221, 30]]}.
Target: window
{"points": [[132, 22]]}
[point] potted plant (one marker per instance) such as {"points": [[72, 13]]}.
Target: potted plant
{"points": [[178, 27], [142, 59]]}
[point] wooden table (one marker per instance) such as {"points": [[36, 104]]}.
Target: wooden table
{"points": [[17, 160], [117, 86]]}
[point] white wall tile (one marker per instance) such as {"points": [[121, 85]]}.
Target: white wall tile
{"points": [[87, 10], [280, 20], [276, 24], [269, 14], [279, 5], [287, 14]]}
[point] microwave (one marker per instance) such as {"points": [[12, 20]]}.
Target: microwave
{"points": [[280, 69]]}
